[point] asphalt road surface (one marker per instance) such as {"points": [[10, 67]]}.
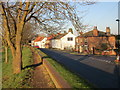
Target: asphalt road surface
{"points": [[99, 70]]}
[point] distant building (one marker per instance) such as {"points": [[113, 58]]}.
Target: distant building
{"points": [[96, 42], [48, 43], [64, 40], [39, 41]]}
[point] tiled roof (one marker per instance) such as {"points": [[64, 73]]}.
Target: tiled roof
{"points": [[38, 39], [90, 33], [50, 37], [59, 36]]}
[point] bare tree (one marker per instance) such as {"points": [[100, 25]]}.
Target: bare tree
{"points": [[47, 14], [28, 33], [3, 41]]}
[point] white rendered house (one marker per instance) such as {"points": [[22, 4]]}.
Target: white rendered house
{"points": [[64, 41], [39, 41]]}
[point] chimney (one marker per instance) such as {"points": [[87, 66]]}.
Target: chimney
{"points": [[70, 30], [81, 33], [95, 31], [58, 33], [65, 32], [108, 31]]}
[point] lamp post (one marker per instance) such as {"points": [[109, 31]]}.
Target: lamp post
{"points": [[118, 56], [118, 53], [118, 26]]}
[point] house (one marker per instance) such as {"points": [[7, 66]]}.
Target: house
{"points": [[96, 42], [48, 41], [64, 40], [39, 42]]}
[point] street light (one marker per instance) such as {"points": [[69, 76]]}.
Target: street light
{"points": [[118, 26], [118, 54]]}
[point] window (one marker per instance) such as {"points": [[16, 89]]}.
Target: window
{"points": [[86, 43], [70, 38]]}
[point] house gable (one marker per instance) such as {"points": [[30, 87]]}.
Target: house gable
{"points": [[68, 41], [68, 35], [62, 41]]}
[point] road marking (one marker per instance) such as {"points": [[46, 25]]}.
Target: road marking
{"points": [[102, 60]]}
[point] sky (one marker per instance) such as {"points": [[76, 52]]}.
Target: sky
{"points": [[102, 15]]}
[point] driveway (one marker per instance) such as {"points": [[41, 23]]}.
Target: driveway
{"points": [[99, 70]]}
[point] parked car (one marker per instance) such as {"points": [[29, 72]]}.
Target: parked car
{"points": [[36, 46]]}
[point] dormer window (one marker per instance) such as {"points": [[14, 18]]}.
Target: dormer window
{"points": [[70, 38]]}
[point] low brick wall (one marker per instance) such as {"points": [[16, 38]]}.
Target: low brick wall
{"points": [[55, 76]]}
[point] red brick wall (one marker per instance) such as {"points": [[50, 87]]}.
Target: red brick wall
{"points": [[96, 42], [112, 41], [95, 32]]}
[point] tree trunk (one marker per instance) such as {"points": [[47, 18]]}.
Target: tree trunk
{"points": [[19, 24], [17, 62], [6, 54]]}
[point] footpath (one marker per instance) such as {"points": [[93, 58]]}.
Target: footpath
{"points": [[40, 77]]}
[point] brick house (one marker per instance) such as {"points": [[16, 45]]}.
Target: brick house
{"points": [[96, 42]]}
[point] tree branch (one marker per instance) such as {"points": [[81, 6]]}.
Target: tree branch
{"points": [[23, 9], [7, 28], [31, 16], [25, 13], [12, 19]]}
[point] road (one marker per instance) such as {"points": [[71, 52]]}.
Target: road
{"points": [[99, 70]]}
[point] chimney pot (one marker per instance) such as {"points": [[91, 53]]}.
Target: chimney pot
{"points": [[95, 27], [81, 33], [108, 31], [70, 30], [95, 31]]}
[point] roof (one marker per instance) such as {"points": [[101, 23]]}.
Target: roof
{"points": [[58, 36], [90, 33], [38, 39], [50, 37]]}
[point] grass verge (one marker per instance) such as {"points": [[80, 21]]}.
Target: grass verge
{"points": [[74, 80], [10, 80]]}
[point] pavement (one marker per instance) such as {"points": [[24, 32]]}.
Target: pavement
{"points": [[40, 77], [101, 71]]}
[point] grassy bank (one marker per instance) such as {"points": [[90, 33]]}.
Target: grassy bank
{"points": [[9, 80], [74, 80]]}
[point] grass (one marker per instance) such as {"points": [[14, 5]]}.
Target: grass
{"points": [[76, 53], [74, 80], [10, 80], [71, 52]]}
